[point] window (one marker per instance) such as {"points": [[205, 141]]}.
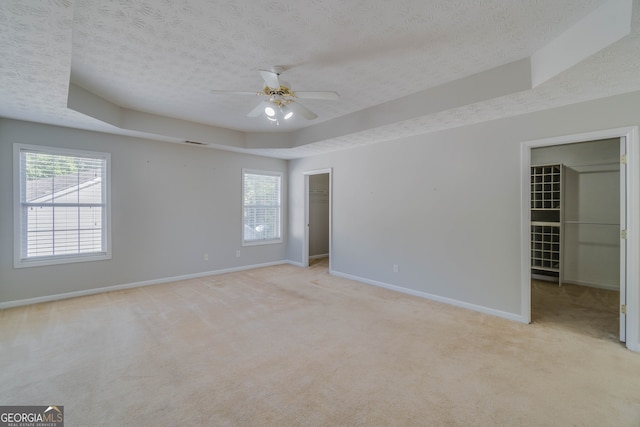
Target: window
{"points": [[261, 208], [61, 205]]}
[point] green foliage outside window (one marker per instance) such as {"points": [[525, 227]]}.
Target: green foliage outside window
{"points": [[40, 165]]}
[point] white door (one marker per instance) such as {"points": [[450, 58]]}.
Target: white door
{"points": [[623, 241]]}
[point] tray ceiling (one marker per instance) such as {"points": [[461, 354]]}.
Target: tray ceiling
{"points": [[146, 68]]}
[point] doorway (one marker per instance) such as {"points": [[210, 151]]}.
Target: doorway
{"points": [[575, 241], [317, 239], [627, 306]]}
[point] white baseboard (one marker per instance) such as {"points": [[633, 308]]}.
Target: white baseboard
{"points": [[47, 298], [545, 278], [592, 285], [461, 304], [295, 263], [319, 256]]}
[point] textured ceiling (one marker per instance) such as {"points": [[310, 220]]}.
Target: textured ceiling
{"points": [[164, 57]]}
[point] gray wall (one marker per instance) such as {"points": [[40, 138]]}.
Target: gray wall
{"points": [[171, 204], [319, 214], [445, 206]]}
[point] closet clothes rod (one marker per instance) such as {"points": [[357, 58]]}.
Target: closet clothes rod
{"points": [[614, 163], [592, 223]]}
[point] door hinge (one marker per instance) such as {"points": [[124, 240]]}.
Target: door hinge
{"points": [[623, 309], [623, 159], [623, 234]]}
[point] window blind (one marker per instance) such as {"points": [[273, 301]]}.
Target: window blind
{"points": [[62, 204], [261, 206]]}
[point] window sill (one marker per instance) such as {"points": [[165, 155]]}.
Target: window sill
{"points": [[44, 261], [261, 242]]}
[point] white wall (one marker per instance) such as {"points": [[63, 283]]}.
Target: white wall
{"points": [[444, 206], [318, 214], [591, 253], [171, 204]]}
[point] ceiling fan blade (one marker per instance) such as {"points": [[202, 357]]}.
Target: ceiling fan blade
{"points": [[302, 110], [258, 110], [270, 78], [235, 92], [328, 95]]}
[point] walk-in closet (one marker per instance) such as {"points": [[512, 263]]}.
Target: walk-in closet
{"points": [[575, 235]]}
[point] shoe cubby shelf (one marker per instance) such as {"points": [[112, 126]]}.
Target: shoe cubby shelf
{"points": [[546, 223]]}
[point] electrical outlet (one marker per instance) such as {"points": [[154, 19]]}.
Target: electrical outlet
{"points": [[237, 254], [206, 257], [395, 268]]}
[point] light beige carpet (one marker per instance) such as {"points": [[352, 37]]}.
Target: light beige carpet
{"points": [[583, 310], [286, 346]]}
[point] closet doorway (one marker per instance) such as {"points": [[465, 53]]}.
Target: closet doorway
{"points": [[596, 232], [317, 239], [575, 236]]}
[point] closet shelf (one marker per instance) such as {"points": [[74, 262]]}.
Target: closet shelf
{"points": [[612, 224], [547, 223]]}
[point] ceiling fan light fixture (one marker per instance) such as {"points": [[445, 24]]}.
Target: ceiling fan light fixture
{"points": [[286, 112], [281, 103]]}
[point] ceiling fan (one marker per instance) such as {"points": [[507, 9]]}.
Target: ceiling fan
{"points": [[281, 100]]}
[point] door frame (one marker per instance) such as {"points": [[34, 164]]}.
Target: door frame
{"points": [[631, 213], [305, 244], [623, 243]]}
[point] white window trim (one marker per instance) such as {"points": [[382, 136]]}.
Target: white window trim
{"points": [[264, 241], [18, 262]]}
